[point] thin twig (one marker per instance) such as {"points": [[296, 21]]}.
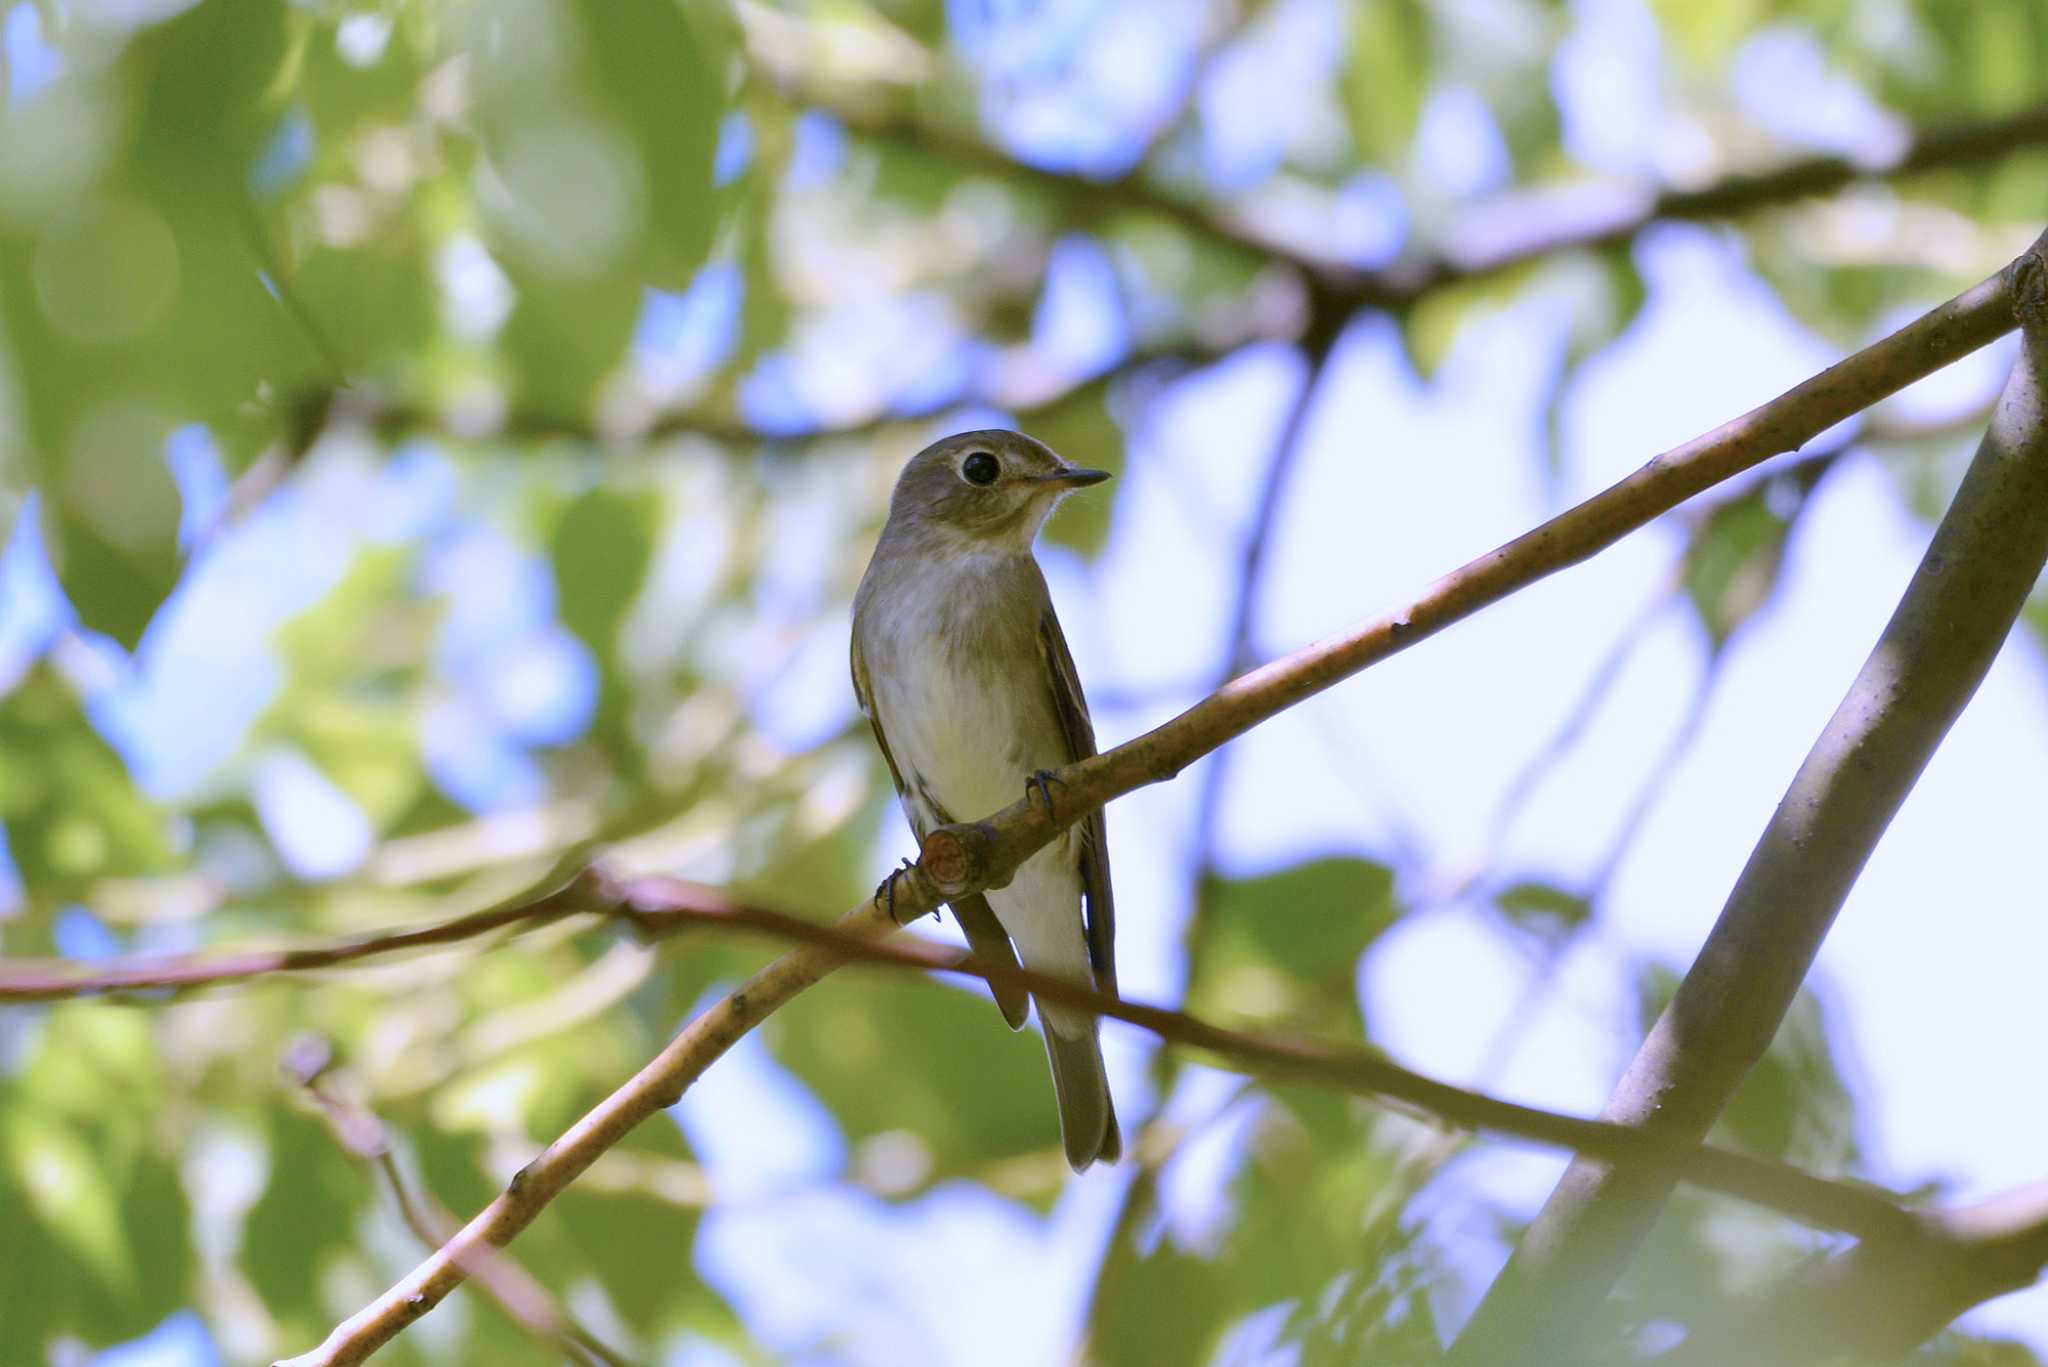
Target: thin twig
{"points": [[27, 980], [1535, 227], [1238, 656], [958, 860], [1515, 795], [1240, 648], [158, 975]]}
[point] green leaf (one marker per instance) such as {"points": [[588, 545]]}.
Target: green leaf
{"points": [[1081, 429], [885, 1052], [112, 533], [669, 89], [1733, 560], [565, 338], [610, 1229], [304, 1222], [1386, 74], [1310, 1214], [601, 548], [367, 745], [69, 1195], [1551, 912], [1286, 945], [72, 813], [1431, 326]]}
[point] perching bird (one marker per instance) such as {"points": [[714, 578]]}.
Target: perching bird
{"points": [[959, 663]]}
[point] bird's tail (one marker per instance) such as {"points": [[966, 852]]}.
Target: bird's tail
{"points": [[1087, 1117]]}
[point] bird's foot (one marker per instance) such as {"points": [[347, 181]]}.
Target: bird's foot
{"points": [[885, 891], [1038, 786]]}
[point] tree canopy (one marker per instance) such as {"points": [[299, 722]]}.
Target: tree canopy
{"points": [[440, 441]]}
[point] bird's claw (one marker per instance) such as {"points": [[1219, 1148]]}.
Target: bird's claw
{"points": [[885, 891], [1037, 785]]}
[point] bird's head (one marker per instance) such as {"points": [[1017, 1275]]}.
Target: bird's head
{"points": [[991, 489]]}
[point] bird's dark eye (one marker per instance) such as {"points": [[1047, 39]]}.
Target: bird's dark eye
{"points": [[980, 468]]}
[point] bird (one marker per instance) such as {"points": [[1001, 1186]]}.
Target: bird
{"points": [[960, 665]]}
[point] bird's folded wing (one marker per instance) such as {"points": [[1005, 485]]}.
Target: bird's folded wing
{"points": [[1072, 709]]}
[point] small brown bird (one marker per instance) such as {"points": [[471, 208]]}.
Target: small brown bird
{"points": [[960, 665]]}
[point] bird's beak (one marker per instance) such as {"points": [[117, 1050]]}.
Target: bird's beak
{"points": [[1074, 477]]}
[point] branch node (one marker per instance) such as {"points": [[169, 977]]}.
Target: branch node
{"points": [[2030, 286], [957, 858]]}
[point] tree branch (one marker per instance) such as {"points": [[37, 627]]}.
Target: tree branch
{"points": [[958, 860], [28, 980], [659, 1084], [1962, 601], [511, 1287], [1822, 1204], [1883, 1298], [1239, 655], [1240, 648], [390, 420], [1534, 225], [1850, 1207], [966, 858]]}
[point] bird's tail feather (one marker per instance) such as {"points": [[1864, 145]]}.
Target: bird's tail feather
{"points": [[1087, 1117]]}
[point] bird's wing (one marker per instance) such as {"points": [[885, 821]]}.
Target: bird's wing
{"points": [[977, 919], [1072, 710], [864, 697]]}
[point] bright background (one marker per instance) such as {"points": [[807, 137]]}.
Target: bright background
{"points": [[312, 675]]}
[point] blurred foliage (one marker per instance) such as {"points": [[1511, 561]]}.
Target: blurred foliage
{"points": [[455, 431]]}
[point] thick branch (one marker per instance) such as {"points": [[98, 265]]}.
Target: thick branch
{"points": [[958, 860], [1956, 613]]}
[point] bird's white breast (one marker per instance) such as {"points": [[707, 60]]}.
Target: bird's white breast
{"points": [[957, 680], [967, 716]]}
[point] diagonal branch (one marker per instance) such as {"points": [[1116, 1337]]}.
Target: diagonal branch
{"points": [[1864, 1211], [1884, 1298], [1957, 611], [1820, 1203], [983, 854], [959, 860], [511, 1287]]}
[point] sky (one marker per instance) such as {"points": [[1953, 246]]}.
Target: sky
{"points": [[1399, 481]]}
